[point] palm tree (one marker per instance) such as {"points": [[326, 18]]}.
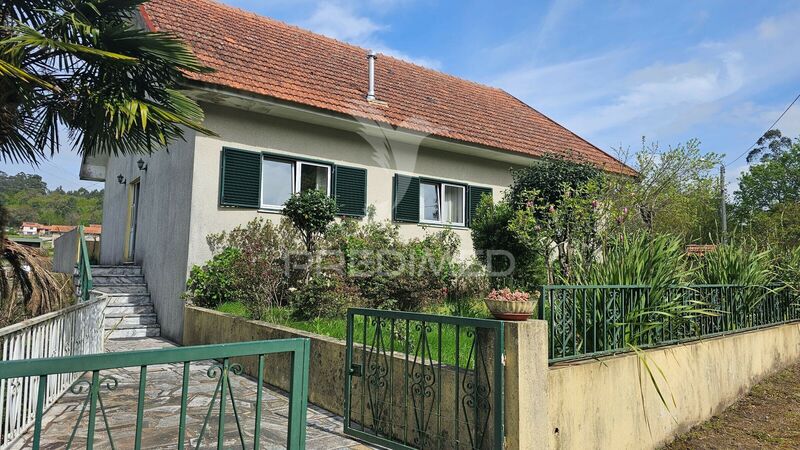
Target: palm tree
{"points": [[81, 69]]}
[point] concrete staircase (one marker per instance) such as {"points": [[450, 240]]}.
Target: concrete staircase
{"points": [[129, 312]]}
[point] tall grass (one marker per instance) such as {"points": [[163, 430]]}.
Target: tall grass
{"points": [[735, 264]]}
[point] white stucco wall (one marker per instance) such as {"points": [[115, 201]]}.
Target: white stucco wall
{"points": [[258, 132], [163, 225]]}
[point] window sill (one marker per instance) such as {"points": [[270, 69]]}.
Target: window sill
{"points": [[270, 210], [442, 225]]}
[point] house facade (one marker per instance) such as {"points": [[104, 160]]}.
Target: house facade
{"points": [[292, 110]]}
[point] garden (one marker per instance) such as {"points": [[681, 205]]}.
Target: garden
{"points": [[625, 238]]}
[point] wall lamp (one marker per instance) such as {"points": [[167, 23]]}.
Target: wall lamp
{"points": [[121, 179], [141, 164]]}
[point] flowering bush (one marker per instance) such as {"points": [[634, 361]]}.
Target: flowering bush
{"points": [[507, 295]]}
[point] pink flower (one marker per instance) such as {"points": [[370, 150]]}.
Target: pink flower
{"points": [[552, 209], [625, 210], [506, 295], [529, 204], [594, 203]]}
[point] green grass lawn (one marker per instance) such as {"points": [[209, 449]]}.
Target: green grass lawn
{"points": [[441, 340]]}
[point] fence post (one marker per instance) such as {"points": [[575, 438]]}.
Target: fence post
{"points": [[526, 406]]}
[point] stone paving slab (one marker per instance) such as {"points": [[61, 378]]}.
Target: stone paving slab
{"points": [[162, 411]]}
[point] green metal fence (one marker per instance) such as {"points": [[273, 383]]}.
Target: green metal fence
{"points": [[84, 267], [424, 381], [586, 321], [42, 371]]}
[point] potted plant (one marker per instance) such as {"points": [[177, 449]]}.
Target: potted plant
{"points": [[505, 304]]}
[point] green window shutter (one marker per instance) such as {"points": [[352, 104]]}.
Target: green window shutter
{"points": [[474, 198], [405, 199], [240, 178], [350, 190]]}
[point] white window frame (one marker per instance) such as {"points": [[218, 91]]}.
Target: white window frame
{"points": [[440, 186], [296, 170]]}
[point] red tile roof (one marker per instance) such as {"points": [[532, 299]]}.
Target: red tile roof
{"points": [[255, 54]]}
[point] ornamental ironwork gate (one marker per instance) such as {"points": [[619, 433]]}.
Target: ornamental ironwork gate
{"points": [[424, 381]]}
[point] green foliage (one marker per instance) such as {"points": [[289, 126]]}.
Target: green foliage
{"points": [[635, 258], [549, 178], [736, 264], [258, 265], [29, 200], [85, 67], [216, 281], [769, 146], [390, 272], [676, 192], [311, 212], [769, 184], [491, 232], [324, 296]]}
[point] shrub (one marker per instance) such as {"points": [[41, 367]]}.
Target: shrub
{"points": [[390, 273], [323, 296], [491, 232], [540, 178], [311, 212], [216, 281], [260, 272]]}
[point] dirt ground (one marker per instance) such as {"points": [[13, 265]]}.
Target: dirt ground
{"points": [[767, 418]]}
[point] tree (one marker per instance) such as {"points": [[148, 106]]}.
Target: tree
{"points": [[767, 203], [677, 191], [83, 69], [311, 212], [774, 181], [769, 146]]}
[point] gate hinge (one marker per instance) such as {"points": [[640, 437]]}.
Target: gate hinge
{"points": [[355, 370], [503, 359]]}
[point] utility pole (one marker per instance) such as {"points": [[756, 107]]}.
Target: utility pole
{"points": [[723, 207]]}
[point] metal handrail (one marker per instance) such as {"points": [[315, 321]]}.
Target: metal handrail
{"points": [[84, 266]]}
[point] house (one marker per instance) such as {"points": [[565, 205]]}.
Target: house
{"points": [[295, 110], [30, 228]]}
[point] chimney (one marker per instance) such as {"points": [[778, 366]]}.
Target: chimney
{"points": [[371, 57]]}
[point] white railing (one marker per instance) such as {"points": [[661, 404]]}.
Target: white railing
{"points": [[76, 330]]}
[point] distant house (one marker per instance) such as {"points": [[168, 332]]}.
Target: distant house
{"points": [[30, 228], [294, 111]]}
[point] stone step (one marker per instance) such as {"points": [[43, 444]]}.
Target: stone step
{"points": [[127, 309], [121, 288], [141, 331], [123, 299], [114, 280], [116, 270], [115, 321]]}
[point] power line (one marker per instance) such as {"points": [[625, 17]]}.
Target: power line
{"points": [[770, 127]]}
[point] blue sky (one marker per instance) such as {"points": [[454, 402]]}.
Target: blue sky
{"points": [[720, 71]]}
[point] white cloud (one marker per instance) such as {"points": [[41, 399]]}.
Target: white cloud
{"points": [[607, 99], [338, 22], [342, 21]]}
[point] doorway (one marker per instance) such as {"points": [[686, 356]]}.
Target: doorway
{"points": [[133, 212]]}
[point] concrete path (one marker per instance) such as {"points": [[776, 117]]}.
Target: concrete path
{"points": [[162, 408]]}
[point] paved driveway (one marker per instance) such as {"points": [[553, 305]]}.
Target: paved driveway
{"points": [[162, 411]]}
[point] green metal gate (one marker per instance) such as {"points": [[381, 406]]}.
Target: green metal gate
{"points": [[424, 381], [220, 363]]}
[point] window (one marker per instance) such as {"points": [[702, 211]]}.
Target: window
{"points": [[281, 178], [442, 203], [276, 182]]}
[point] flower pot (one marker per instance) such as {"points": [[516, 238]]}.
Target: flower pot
{"points": [[510, 310]]}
